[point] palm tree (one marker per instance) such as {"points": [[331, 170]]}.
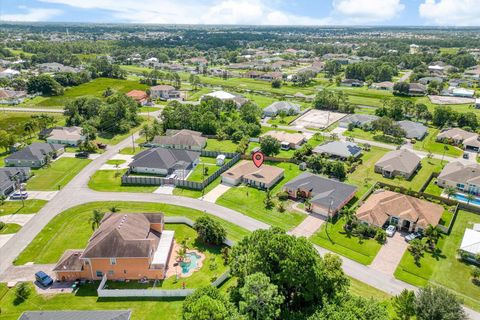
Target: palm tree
{"points": [[96, 218], [114, 209], [29, 127], [450, 191], [433, 233], [146, 131], [470, 197]]}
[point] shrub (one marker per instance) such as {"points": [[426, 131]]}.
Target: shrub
{"points": [[282, 195], [380, 235], [209, 230]]}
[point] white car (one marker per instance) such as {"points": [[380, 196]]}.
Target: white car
{"points": [[391, 230]]}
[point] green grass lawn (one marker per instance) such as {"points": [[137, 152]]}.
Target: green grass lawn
{"points": [[16, 207], [432, 188], [58, 174], [146, 109], [131, 151], [9, 228], [439, 269], [198, 174], [197, 193], [107, 180], [364, 135], [222, 146], [56, 237], [14, 122], [429, 144], [115, 162], [332, 236], [250, 201]]}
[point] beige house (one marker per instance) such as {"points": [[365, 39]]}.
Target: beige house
{"points": [[264, 177], [71, 136], [469, 140], [287, 140], [398, 163], [164, 92], [464, 177], [408, 213], [180, 139]]}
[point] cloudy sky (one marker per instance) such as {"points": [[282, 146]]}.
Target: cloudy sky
{"points": [[258, 12]]}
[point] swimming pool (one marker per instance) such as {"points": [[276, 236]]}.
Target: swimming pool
{"points": [[463, 198], [190, 263]]}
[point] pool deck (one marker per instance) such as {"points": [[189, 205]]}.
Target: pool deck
{"points": [[173, 270]]}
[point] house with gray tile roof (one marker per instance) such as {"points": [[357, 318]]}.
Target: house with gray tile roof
{"points": [[339, 149], [398, 163], [180, 139], [10, 176], [276, 107], [462, 176], [34, 155], [326, 196], [164, 161], [358, 120], [77, 315], [414, 130]]}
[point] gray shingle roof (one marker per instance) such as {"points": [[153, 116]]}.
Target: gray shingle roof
{"points": [[76, 315], [181, 137], [324, 191], [339, 149], [163, 158], [413, 129], [399, 160], [359, 119], [7, 174], [35, 151], [282, 105]]}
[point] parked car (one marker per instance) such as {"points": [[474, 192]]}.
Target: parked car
{"points": [[81, 154], [19, 195], [102, 145], [412, 236], [466, 155], [43, 278], [391, 229]]}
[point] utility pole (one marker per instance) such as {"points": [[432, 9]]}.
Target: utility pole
{"points": [[133, 143]]}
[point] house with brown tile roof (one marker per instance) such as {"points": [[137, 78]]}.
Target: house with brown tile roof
{"points": [[287, 140], [139, 96], [398, 163], [125, 246], [385, 207], [469, 140], [180, 139], [464, 177], [264, 177]]}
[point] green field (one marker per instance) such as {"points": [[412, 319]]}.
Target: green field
{"points": [[108, 180], [221, 145], [57, 175], [14, 122], [17, 207], [439, 267]]}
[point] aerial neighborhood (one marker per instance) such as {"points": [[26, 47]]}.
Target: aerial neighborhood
{"points": [[238, 172]]}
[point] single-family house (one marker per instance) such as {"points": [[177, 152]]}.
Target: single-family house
{"points": [[462, 176], [12, 96], [77, 315], [469, 140], [180, 139], [416, 89], [10, 177], [357, 120], [263, 177], [35, 155], [473, 72], [398, 163], [164, 92], [71, 136], [384, 207], [414, 49], [126, 246], [462, 92], [325, 196], [427, 80], [275, 108], [55, 67], [139, 96], [339, 149], [385, 85], [470, 246], [8, 73], [226, 96], [165, 161], [287, 140], [351, 83], [414, 130]]}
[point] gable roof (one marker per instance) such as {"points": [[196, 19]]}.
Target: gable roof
{"points": [[459, 172], [77, 315], [282, 106], [70, 261], [339, 148], [282, 136], [325, 192], [246, 169], [456, 134], [401, 160], [181, 137], [7, 175], [66, 133], [413, 129], [124, 235], [383, 204], [165, 158], [36, 151]]}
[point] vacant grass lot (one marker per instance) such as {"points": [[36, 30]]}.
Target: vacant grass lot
{"points": [[333, 237], [439, 268], [109, 180], [429, 144], [56, 237], [16, 207], [14, 122], [197, 193], [221, 145], [58, 174], [250, 201]]}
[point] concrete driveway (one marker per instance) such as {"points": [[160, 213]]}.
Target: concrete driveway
{"points": [[216, 193], [390, 254], [26, 272], [308, 227]]}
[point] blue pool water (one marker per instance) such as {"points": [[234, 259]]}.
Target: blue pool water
{"points": [[187, 266], [463, 198]]}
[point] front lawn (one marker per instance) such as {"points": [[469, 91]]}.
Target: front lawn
{"points": [[9, 228], [131, 151], [429, 144], [250, 201], [16, 207], [115, 162], [111, 180], [433, 188], [57, 175], [56, 237], [333, 237], [196, 193], [438, 269], [221, 145]]}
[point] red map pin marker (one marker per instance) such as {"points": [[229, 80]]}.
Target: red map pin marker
{"points": [[258, 159]]}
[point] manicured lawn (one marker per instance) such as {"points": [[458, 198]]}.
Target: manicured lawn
{"points": [[59, 173], [107, 180], [86, 299], [198, 174], [56, 237], [16, 207], [439, 269], [196, 193], [361, 134], [9, 228], [282, 122], [429, 144], [432, 188], [14, 122], [332, 236], [250, 201], [113, 139], [223, 145], [148, 109], [115, 162], [131, 151]]}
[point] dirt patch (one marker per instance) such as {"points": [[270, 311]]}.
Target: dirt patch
{"points": [[318, 119], [450, 100]]}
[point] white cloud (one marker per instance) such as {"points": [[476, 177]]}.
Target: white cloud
{"points": [[366, 11], [31, 14], [451, 12]]}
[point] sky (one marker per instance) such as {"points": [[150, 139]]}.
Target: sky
{"points": [[250, 12]]}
